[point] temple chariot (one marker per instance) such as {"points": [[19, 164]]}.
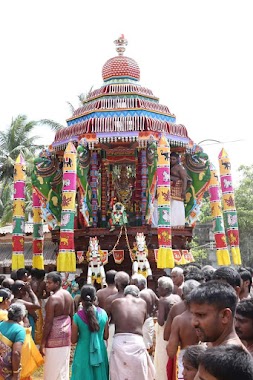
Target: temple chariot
{"points": [[106, 177]]}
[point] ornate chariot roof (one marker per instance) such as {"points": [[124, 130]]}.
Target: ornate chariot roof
{"points": [[121, 109]]}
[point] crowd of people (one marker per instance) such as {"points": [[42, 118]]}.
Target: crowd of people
{"points": [[197, 325]]}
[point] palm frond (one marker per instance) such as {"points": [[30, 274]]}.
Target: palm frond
{"points": [[52, 124]]}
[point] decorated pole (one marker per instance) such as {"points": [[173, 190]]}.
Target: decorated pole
{"points": [[143, 184], [230, 214], [222, 253], [165, 257], [66, 258], [38, 235], [18, 259]]}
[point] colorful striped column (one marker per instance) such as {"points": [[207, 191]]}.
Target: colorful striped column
{"points": [[222, 253], [103, 191], [18, 259], [165, 257], [38, 235], [229, 209], [137, 190], [143, 184], [66, 258], [94, 185]]}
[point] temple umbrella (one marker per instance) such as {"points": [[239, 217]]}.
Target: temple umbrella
{"points": [[38, 234], [18, 260], [222, 253], [165, 258], [229, 209], [66, 258]]}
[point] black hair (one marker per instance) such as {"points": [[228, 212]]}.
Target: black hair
{"points": [[216, 293], [174, 154], [229, 362], [21, 273], [2, 277], [250, 270], [13, 275], [192, 353], [208, 272], [110, 275], [246, 276], [228, 274], [17, 286], [88, 296], [7, 283], [194, 273], [55, 277], [245, 308], [5, 294], [39, 274]]}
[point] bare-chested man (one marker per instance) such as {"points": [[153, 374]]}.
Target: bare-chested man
{"points": [[212, 306], [103, 294], [38, 285], [175, 311], [23, 293], [166, 301], [151, 299], [177, 276], [56, 339], [129, 358], [179, 184], [121, 280]]}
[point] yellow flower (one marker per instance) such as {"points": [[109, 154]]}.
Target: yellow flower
{"points": [[1, 299]]}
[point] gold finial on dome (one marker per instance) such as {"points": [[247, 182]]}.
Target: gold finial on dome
{"points": [[121, 44]]}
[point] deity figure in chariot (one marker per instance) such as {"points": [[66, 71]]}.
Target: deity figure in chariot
{"points": [[140, 256], [96, 271]]}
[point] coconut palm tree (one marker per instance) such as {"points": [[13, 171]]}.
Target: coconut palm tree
{"points": [[16, 139]]}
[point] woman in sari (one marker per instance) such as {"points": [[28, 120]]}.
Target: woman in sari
{"points": [[5, 301], [12, 337], [89, 330]]}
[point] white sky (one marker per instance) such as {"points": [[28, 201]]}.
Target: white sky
{"points": [[195, 55]]}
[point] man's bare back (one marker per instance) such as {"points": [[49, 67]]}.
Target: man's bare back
{"points": [[183, 334], [103, 294], [164, 306], [177, 309], [151, 300], [129, 314], [61, 303]]}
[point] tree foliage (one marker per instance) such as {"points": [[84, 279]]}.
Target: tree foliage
{"points": [[244, 207], [18, 138]]}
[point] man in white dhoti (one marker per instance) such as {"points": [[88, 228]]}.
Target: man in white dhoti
{"points": [[129, 358], [166, 301], [56, 339], [151, 299]]}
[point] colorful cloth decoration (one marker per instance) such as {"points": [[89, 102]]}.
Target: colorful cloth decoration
{"points": [[66, 258], [198, 169], [38, 235], [151, 182], [18, 259], [83, 168], [47, 180], [165, 255], [230, 214], [222, 253]]}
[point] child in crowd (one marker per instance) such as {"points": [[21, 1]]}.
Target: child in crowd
{"points": [[191, 361]]}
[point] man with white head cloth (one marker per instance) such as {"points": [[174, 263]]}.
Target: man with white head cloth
{"points": [[129, 358]]}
